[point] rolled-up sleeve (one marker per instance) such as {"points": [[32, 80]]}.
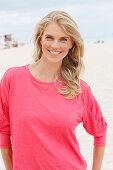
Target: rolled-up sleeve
{"points": [[5, 140], [93, 120]]}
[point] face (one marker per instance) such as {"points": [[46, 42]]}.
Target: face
{"points": [[55, 43]]}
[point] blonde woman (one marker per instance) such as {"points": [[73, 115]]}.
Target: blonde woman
{"points": [[42, 103]]}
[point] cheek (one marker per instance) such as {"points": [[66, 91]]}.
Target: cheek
{"points": [[45, 44], [65, 47]]}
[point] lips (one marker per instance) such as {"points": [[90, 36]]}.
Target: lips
{"points": [[54, 52]]}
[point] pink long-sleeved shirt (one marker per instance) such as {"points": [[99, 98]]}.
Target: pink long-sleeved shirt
{"points": [[41, 122]]}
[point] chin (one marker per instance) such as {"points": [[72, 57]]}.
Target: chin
{"points": [[56, 59]]}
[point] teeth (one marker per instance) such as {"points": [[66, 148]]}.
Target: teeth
{"points": [[53, 52]]}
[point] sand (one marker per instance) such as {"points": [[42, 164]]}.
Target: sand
{"points": [[98, 61]]}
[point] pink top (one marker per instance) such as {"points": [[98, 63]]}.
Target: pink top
{"points": [[41, 122]]}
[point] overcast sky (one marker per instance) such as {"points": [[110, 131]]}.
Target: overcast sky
{"points": [[94, 17]]}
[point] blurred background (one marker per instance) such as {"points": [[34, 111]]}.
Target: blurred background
{"points": [[95, 22], [94, 18]]}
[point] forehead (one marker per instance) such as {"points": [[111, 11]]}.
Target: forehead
{"points": [[54, 29]]}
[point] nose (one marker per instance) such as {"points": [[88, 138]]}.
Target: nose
{"points": [[55, 44]]}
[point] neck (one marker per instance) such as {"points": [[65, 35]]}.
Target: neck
{"points": [[47, 71]]}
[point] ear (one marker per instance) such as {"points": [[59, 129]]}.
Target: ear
{"points": [[72, 45]]}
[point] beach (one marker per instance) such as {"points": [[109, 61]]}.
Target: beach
{"points": [[98, 59]]}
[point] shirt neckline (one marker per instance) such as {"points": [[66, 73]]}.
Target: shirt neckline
{"points": [[36, 80]]}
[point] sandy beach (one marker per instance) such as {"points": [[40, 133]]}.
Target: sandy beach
{"points": [[98, 59]]}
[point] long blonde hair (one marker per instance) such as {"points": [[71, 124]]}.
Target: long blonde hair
{"points": [[72, 65]]}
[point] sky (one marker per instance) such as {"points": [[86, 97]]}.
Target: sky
{"points": [[94, 17]]}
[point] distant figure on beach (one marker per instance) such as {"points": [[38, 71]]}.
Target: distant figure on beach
{"points": [[42, 103]]}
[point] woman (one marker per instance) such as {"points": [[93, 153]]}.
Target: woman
{"points": [[43, 102]]}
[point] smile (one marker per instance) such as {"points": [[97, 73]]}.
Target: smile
{"points": [[54, 52]]}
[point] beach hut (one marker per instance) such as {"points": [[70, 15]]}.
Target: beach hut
{"points": [[8, 41]]}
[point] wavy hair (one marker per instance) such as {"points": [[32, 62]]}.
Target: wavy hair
{"points": [[72, 64]]}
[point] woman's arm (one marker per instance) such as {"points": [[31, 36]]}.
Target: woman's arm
{"points": [[98, 154], [7, 158]]}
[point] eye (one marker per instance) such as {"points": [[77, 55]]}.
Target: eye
{"points": [[63, 39], [49, 37]]}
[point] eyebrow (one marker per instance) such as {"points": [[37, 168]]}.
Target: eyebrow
{"points": [[60, 37]]}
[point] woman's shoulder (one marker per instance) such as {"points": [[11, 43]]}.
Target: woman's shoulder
{"points": [[14, 71], [86, 89], [84, 85]]}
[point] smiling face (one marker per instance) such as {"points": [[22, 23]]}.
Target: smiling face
{"points": [[55, 43]]}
